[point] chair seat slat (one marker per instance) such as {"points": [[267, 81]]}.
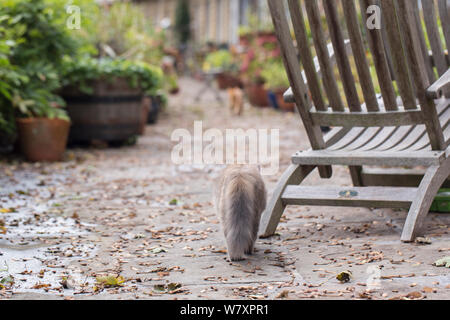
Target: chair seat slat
{"points": [[381, 138], [366, 138]]}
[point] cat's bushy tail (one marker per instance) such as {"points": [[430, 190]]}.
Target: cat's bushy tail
{"points": [[241, 219]]}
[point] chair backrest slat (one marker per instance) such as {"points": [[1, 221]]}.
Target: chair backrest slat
{"points": [[401, 69], [359, 54], [305, 54], [342, 60], [423, 44], [417, 60], [406, 44], [320, 44], [430, 18], [299, 89], [380, 61], [444, 13]]}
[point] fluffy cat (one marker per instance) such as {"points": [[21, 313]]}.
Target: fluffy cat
{"points": [[240, 200]]}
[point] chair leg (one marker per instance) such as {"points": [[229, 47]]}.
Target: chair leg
{"points": [[355, 172], [433, 179], [293, 175]]}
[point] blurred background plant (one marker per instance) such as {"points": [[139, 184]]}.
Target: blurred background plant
{"points": [[221, 59], [182, 23], [36, 47], [275, 76], [124, 32], [31, 55], [80, 73]]}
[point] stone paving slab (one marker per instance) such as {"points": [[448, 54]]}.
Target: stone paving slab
{"points": [[116, 217]]}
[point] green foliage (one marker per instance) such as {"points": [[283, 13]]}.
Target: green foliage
{"points": [[125, 32], [38, 51], [36, 28], [33, 41], [220, 59], [82, 38], [255, 24], [182, 21], [81, 71], [275, 76]]}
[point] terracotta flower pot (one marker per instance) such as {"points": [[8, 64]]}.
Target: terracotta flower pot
{"points": [[286, 106], [225, 81], [257, 95], [174, 91], [43, 139]]}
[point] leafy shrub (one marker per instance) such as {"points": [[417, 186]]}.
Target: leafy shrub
{"points": [[182, 21], [275, 75], [123, 31], [37, 42], [220, 59], [80, 72]]}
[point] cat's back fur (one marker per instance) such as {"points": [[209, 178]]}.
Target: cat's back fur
{"points": [[240, 200]]}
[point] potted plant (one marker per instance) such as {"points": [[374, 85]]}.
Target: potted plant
{"points": [[43, 132], [254, 82], [36, 39], [223, 61], [277, 81], [105, 97], [42, 125]]}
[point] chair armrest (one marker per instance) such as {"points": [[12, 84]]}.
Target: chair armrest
{"points": [[289, 96], [440, 87]]}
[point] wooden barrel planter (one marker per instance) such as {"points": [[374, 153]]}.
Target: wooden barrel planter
{"points": [[115, 112]]}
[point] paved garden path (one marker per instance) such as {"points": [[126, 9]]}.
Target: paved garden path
{"points": [[132, 214]]}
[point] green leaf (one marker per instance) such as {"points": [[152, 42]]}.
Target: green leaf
{"points": [[173, 286], [444, 262], [111, 281], [158, 250], [344, 276], [8, 280]]}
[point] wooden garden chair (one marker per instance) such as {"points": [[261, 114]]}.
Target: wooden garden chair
{"points": [[411, 130]]}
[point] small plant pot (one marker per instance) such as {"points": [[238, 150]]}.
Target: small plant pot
{"points": [[174, 91], [225, 81], [285, 106], [257, 95], [155, 105], [42, 139]]}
